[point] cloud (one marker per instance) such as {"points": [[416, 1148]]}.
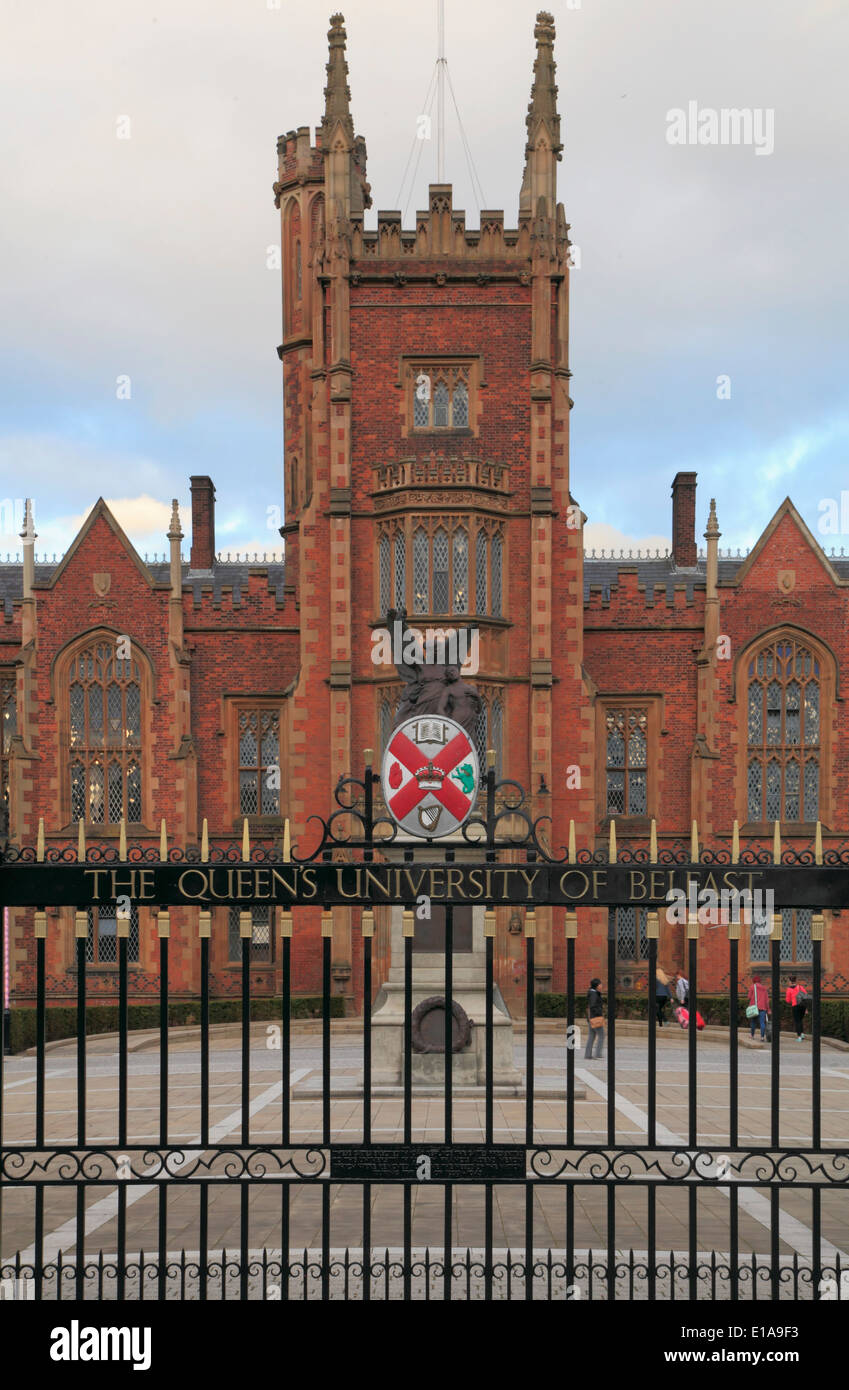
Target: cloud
{"points": [[599, 536]]}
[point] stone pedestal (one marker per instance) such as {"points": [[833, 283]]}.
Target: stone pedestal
{"points": [[469, 991]]}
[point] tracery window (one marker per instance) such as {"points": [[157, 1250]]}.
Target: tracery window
{"points": [[489, 730], [441, 395], [626, 761], [262, 934], [105, 734], [259, 761], [783, 733], [456, 566]]}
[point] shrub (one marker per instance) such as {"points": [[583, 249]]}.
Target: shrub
{"points": [[61, 1019]]}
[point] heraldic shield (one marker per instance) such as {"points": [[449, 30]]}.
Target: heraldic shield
{"points": [[430, 776]]}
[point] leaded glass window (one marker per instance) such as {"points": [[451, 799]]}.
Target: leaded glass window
{"points": [[101, 947], [497, 733], [496, 574], [385, 567], [104, 734], [480, 736], [384, 724], [460, 406], [760, 932], [461, 571], [259, 762], [480, 572], [440, 571], [400, 570], [631, 940], [421, 571], [8, 729], [261, 934], [440, 396], [783, 733], [627, 762]]}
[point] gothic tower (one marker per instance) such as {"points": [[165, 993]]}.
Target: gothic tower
{"points": [[426, 405]]}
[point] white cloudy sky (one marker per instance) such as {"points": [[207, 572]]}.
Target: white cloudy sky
{"points": [[147, 256]]}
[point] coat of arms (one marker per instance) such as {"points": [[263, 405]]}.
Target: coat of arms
{"points": [[102, 583], [430, 776]]}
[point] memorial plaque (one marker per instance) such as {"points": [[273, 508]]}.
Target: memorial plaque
{"points": [[471, 1163]]}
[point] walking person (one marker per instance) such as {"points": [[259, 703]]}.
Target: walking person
{"points": [[758, 1006], [682, 990], [595, 1019], [662, 994], [797, 998]]}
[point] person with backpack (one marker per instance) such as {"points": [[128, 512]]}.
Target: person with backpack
{"points": [[595, 1019], [757, 1008], [797, 997]]}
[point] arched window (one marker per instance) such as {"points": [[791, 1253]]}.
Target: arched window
{"points": [[481, 737], [460, 406], [783, 698], [626, 762], [105, 736], [299, 287], [441, 404]]}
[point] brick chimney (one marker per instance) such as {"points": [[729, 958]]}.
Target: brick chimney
{"points": [[684, 553], [203, 523]]}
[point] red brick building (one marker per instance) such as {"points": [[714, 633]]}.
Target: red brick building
{"points": [[426, 387]]}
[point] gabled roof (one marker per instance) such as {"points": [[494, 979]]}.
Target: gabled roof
{"points": [[787, 509], [99, 510]]}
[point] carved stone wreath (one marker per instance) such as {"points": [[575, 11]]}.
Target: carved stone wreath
{"points": [[461, 1030]]}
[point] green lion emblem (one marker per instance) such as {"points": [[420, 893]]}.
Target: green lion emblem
{"points": [[466, 777]]}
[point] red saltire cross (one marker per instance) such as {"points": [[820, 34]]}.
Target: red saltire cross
{"points": [[412, 757]]}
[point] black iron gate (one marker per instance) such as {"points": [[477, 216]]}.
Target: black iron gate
{"points": [[415, 1196]]}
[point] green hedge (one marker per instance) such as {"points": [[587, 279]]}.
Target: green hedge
{"points": [[714, 1008], [103, 1018]]}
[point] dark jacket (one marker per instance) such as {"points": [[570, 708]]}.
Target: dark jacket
{"points": [[595, 1003]]}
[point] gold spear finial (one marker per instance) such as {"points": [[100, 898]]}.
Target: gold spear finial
{"points": [[818, 843], [735, 843], [204, 842], [163, 841], [122, 840], [694, 843], [246, 840], [573, 847], [287, 842], [39, 844], [776, 844], [611, 854], [81, 840], [653, 842]]}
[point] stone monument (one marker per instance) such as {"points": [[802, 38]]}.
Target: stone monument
{"points": [[438, 689]]}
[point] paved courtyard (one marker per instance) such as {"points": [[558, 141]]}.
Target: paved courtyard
{"points": [[305, 1202]]}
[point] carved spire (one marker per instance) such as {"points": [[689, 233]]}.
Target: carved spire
{"points": [[543, 144], [337, 93]]}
